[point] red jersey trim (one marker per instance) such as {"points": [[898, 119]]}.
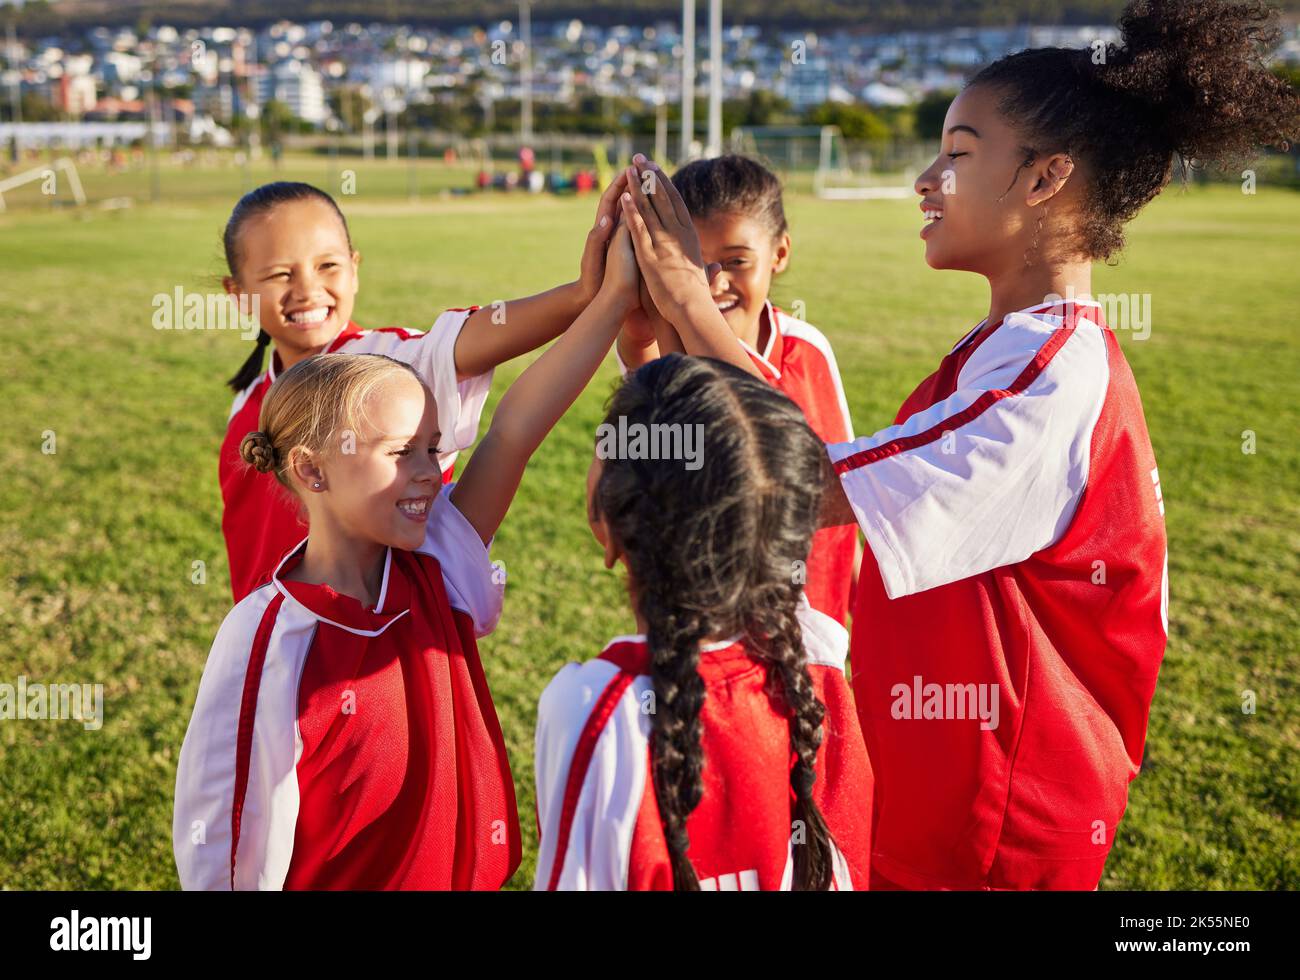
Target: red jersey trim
{"points": [[247, 715], [975, 409], [585, 749]]}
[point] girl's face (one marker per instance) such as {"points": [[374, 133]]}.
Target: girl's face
{"points": [[382, 491], [749, 257], [973, 195], [295, 259]]}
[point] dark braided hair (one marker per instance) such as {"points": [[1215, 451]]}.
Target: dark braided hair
{"points": [[259, 201], [712, 552], [732, 184], [1187, 78]]}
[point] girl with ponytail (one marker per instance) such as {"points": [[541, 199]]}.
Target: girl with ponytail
{"points": [[1012, 606], [717, 748], [291, 261]]}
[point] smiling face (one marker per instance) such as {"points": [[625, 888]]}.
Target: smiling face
{"points": [[296, 259], [973, 195], [382, 492], [750, 256]]}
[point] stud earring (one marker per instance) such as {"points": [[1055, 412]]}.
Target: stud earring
{"points": [[316, 485]]}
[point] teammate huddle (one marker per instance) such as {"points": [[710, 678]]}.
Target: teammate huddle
{"points": [[344, 735]]}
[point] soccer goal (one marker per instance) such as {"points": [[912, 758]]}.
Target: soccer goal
{"points": [[819, 153], [49, 180]]}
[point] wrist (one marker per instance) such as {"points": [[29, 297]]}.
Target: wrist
{"points": [[576, 296]]}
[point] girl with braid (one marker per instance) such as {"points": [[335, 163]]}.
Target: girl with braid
{"points": [[717, 748], [1012, 606]]}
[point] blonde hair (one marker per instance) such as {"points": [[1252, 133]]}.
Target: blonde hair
{"points": [[313, 405]]}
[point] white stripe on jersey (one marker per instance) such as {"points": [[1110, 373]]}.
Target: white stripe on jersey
{"points": [[205, 774], [599, 847], [1000, 487]]}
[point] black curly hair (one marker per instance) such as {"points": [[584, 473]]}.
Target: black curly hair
{"points": [[260, 200], [711, 552], [1188, 78]]}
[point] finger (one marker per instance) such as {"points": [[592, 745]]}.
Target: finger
{"points": [[607, 206], [673, 195], [644, 207], [652, 176], [642, 240], [711, 271]]}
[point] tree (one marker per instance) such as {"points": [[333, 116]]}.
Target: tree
{"points": [[856, 122]]}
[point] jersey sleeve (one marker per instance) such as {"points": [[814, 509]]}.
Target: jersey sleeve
{"points": [[206, 775], [433, 356], [592, 766], [991, 474], [474, 584]]}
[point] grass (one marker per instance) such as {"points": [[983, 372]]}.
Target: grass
{"points": [[98, 540]]}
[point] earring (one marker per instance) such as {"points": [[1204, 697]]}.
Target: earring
{"points": [[316, 485], [1033, 247]]}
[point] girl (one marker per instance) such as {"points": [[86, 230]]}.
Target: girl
{"points": [[289, 251], [717, 749], [1012, 609], [343, 735], [735, 204]]}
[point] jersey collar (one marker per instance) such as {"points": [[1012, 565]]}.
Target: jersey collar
{"points": [[275, 368], [344, 611], [766, 361], [1053, 307]]}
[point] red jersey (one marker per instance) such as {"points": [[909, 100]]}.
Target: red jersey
{"points": [[1012, 609], [334, 746], [799, 361], [599, 819], [261, 520]]}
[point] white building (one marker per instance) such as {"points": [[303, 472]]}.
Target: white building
{"points": [[297, 86]]}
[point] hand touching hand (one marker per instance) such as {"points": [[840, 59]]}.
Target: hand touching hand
{"points": [[592, 266], [667, 245]]}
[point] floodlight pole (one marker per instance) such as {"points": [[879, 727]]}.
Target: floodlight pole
{"points": [[688, 78], [715, 79]]}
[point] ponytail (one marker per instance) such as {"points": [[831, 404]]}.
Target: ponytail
{"points": [[1188, 80], [251, 369]]}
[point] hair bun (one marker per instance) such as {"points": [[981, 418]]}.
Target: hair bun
{"points": [[258, 452]]}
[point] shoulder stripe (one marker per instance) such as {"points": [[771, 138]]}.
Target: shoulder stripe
{"points": [[1032, 370], [247, 714], [582, 754]]}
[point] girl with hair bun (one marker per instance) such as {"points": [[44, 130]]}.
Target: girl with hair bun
{"points": [[343, 735], [716, 749], [1012, 607]]}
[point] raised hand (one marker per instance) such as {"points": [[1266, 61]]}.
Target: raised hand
{"points": [[667, 246], [592, 264], [672, 266]]}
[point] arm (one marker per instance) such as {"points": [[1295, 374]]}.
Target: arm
{"points": [[542, 394], [668, 254], [645, 336], [499, 331]]}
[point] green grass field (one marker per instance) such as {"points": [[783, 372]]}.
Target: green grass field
{"points": [[98, 540]]}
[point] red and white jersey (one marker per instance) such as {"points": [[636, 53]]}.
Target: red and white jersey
{"points": [[598, 816], [260, 519], [334, 746], [799, 361], [1012, 609]]}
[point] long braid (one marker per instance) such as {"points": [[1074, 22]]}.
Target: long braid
{"points": [[710, 554]]}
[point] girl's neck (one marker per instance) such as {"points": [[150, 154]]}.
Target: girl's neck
{"points": [[288, 358], [1024, 288], [348, 565]]}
